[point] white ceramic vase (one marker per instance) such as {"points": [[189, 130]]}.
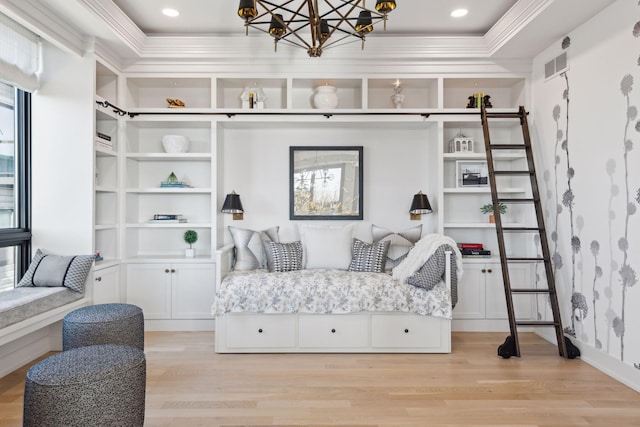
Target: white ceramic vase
{"points": [[189, 253], [325, 98], [175, 143]]}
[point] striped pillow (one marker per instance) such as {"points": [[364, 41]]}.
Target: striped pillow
{"points": [[284, 256], [369, 256]]}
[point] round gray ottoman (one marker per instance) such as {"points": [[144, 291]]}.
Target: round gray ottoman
{"points": [[100, 385], [103, 324]]}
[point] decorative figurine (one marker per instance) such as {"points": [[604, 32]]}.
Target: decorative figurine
{"points": [[398, 96], [175, 103]]}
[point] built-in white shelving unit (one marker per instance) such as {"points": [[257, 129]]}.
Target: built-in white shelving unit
{"points": [[128, 192]]}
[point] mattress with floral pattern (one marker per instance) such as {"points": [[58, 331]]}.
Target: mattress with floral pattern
{"points": [[326, 291]]}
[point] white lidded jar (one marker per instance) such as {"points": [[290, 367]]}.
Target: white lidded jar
{"points": [[325, 97]]}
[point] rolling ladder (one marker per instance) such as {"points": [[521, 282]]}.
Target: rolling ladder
{"points": [[511, 346]]}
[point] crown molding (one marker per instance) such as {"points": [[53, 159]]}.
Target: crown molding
{"points": [[512, 22], [41, 20], [119, 23]]}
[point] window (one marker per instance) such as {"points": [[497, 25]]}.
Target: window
{"points": [[15, 143]]}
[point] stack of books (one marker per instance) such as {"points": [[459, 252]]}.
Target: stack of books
{"points": [[473, 250], [104, 141], [167, 219], [174, 184]]}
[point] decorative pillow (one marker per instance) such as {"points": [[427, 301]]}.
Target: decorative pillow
{"points": [[249, 251], [49, 270], [368, 256], [433, 272], [326, 247], [284, 256], [400, 243]]}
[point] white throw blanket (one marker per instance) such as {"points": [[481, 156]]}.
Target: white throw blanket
{"points": [[421, 252]]}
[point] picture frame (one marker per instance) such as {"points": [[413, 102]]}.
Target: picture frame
{"points": [[325, 183], [472, 173]]}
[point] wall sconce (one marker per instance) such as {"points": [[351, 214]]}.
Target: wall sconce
{"points": [[420, 205], [233, 205]]}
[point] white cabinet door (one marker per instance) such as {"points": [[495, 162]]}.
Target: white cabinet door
{"points": [[106, 285], [149, 287], [496, 302], [471, 293], [192, 290]]}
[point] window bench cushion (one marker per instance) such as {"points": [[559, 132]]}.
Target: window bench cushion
{"points": [[20, 304]]}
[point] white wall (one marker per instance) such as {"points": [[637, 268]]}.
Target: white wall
{"points": [[62, 151], [597, 249], [399, 161]]}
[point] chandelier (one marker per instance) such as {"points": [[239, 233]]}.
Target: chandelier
{"points": [[303, 23]]}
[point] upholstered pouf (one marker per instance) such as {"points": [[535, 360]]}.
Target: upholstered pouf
{"points": [[100, 385], [103, 324]]}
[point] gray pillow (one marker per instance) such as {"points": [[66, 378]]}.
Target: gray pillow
{"points": [[400, 243], [433, 272], [249, 252], [369, 256], [50, 270], [284, 256]]}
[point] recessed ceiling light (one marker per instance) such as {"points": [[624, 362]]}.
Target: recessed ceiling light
{"points": [[170, 12], [459, 13]]}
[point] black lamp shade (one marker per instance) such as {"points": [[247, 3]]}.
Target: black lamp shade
{"points": [[384, 6], [420, 204], [277, 28], [364, 22], [324, 29], [232, 204], [247, 9]]}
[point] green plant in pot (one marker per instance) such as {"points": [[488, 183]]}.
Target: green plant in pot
{"points": [[190, 237], [488, 209]]}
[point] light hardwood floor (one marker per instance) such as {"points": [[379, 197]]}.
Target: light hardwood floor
{"points": [[189, 385]]}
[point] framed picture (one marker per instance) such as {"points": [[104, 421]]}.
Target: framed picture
{"points": [[472, 173], [325, 183]]}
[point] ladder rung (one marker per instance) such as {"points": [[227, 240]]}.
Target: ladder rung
{"points": [[517, 200], [513, 172], [526, 259], [508, 146], [503, 115], [522, 229], [536, 323], [531, 291]]}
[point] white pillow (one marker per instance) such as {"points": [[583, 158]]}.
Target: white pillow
{"points": [[326, 247]]}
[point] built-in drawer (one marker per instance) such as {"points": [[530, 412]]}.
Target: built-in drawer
{"points": [[333, 331], [405, 331], [249, 331]]}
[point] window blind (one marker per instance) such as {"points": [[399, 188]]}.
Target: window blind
{"points": [[19, 55]]}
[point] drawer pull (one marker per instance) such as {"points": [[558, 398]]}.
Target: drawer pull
{"points": [[483, 270], [173, 270], [166, 270], [99, 279], [333, 331], [406, 331], [260, 330], [490, 270]]}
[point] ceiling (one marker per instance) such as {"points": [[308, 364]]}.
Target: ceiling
{"points": [[206, 30]]}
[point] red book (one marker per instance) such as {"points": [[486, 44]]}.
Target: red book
{"points": [[470, 246]]}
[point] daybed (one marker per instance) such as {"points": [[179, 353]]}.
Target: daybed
{"points": [[335, 310]]}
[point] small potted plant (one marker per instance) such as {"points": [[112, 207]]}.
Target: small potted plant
{"points": [[488, 209], [190, 236]]}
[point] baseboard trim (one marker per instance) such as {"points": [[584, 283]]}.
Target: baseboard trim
{"points": [[604, 362]]}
